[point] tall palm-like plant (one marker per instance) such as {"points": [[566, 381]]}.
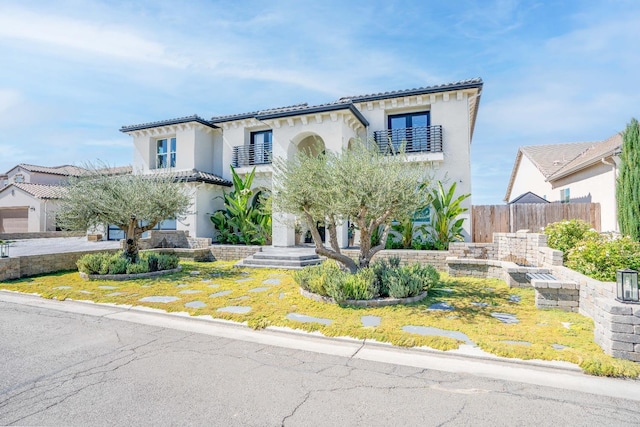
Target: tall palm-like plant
{"points": [[446, 227], [243, 221]]}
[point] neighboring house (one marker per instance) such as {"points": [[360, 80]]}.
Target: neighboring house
{"points": [[528, 197], [436, 123], [28, 200], [576, 172]]}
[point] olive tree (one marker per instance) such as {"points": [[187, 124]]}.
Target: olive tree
{"points": [[359, 184], [135, 203]]}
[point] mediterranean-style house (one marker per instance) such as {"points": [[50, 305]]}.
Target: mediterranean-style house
{"points": [[434, 123], [572, 172], [29, 193]]}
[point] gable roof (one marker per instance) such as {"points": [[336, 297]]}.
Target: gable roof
{"points": [[556, 161], [40, 191], [64, 170], [529, 197], [594, 154]]}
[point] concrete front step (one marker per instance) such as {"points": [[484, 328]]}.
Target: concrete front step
{"points": [[281, 262], [292, 256], [288, 258]]}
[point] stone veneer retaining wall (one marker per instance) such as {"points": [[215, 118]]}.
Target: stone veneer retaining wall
{"points": [[437, 259], [39, 235], [172, 239], [232, 252], [617, 325], [23, 266]]}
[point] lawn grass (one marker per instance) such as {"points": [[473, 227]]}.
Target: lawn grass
{"points": [[541, 328]]}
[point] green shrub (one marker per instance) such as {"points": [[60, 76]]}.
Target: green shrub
{"points": [[118, 264], [93, 263], [427, 274], [137, 268], [359, 285], [383, 279], [600, 258], [565, 235], [167, 261], [152, 260]]}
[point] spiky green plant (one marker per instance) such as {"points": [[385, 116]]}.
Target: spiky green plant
{"points": [[446, 226]]}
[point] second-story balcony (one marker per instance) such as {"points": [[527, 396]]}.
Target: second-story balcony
{"points": [[252, 155], [419, 139]]}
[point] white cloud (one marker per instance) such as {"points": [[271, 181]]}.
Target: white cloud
{"points": [[102, 39]]}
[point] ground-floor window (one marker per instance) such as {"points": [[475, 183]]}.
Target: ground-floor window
{"points": [[114, 233]]}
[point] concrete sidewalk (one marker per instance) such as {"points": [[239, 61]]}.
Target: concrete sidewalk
{"points": [[551, 374], [58, 245]]}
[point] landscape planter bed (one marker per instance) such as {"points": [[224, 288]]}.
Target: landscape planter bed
{"points": [[122, 277], [377, 302]]}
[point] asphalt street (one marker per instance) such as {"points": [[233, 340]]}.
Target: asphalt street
{"points": [[69, 363]]}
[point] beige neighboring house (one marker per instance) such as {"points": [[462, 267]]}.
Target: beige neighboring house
{"points": [[569, 173], [435, 122], [28, 199]]}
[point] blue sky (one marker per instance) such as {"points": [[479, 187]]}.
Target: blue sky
{"points": [[73, 72]]}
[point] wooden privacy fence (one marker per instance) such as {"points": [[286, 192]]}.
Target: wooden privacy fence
{"points": [[489, 219]]}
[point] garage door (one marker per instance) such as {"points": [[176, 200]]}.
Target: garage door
{"points": [[14, 220]]}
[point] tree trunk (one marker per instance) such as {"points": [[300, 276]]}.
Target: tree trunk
{"points": [[131, 246], [329, 253]]}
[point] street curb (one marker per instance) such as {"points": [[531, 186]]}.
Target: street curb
{"points": [[541, 373]]}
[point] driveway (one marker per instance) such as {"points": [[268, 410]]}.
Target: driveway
{"points": [[57, 245]]}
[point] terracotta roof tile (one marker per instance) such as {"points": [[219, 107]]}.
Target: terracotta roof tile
{"points": [[41, 191], [550, 158]]}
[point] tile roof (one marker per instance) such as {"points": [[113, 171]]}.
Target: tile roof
{"points": [[65, 170], [169, 122], [556, 161], [593, 154], [461, 84], [40, 191], [194, 175], [295, 110], [550, 158]]}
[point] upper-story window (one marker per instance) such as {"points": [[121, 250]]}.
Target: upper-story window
{"points": [[261, 145], [18, 177], [410, 131], [166, 153]]}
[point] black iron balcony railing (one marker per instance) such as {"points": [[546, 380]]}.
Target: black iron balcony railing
{"points": [[251, 155], [419, 139]]}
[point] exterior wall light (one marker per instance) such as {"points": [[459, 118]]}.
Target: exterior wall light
{"points": [[4, 249], [627, 286]]}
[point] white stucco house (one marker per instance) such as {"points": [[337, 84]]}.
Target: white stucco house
{"points": [[27, 199], [29, 193], [435, 122], [573, 172]]}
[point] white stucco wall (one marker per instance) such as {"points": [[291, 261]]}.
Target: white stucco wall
{"points": [[194, 147], [449, 110], [206, 200], [596, 184], [41, 213], [529, 178]]}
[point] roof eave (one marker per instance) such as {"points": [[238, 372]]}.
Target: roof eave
{"points": [[133, 128], [563, 174], [420, 91], [314, 110]]}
